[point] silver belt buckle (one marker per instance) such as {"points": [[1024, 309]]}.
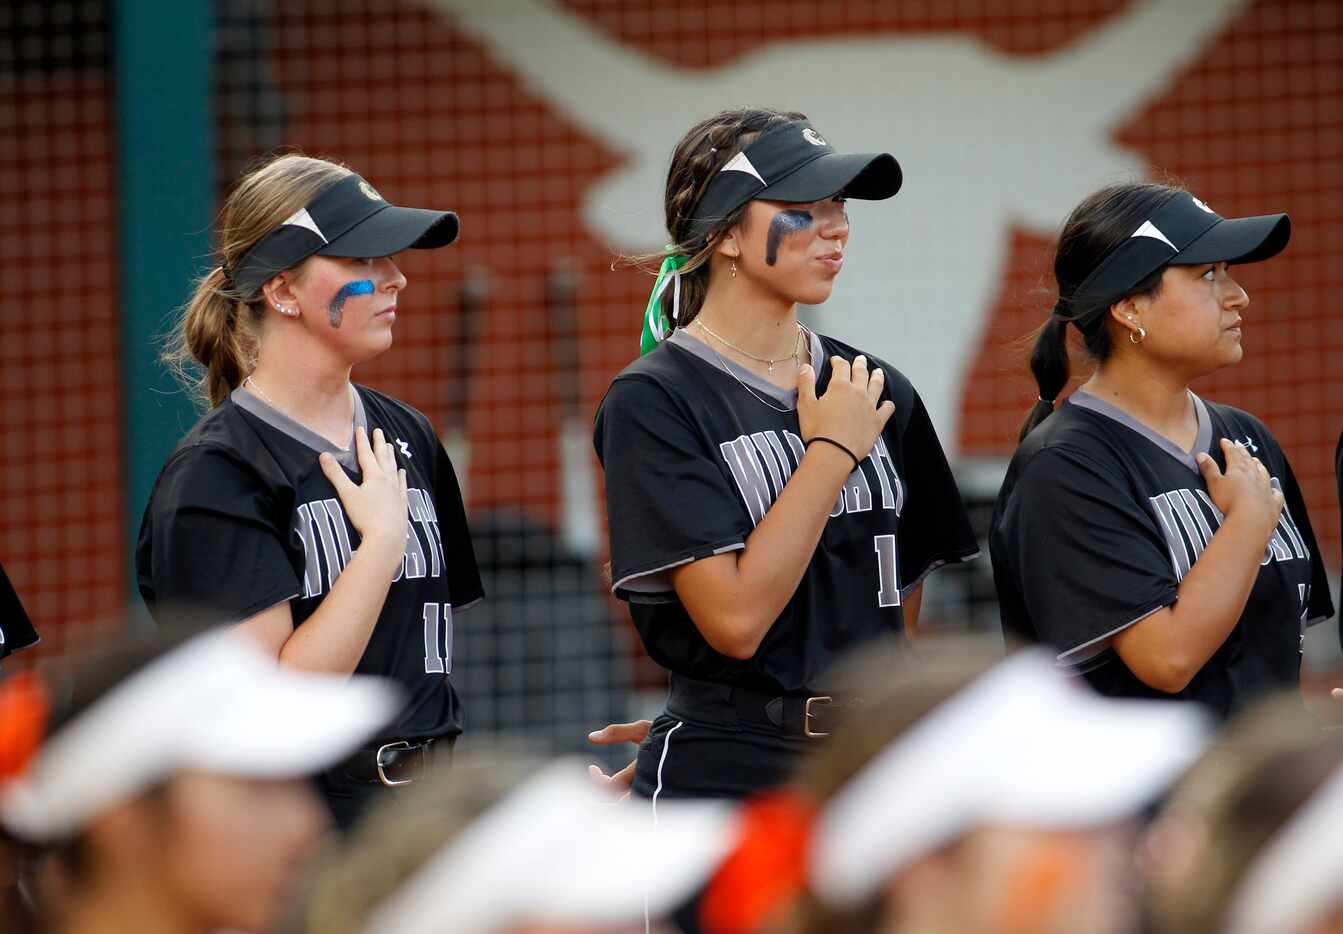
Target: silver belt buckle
{"points": [[377, 760], [807, 715]]}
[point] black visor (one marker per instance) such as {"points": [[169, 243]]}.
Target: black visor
{"points": [[1184, 232], [794, 163], [347, 219]]}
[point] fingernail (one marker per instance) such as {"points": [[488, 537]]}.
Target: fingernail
{"points": [[324, 457], [593, 734]]}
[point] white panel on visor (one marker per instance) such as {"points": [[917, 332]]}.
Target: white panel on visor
{"points": [[560, 849], [1148, 229], [739, 163], [1023, 745], [301, 218], [215, 703]]}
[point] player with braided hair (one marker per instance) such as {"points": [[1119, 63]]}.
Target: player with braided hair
{"points": [[775, 497]]}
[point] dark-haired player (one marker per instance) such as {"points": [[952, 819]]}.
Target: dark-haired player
{"points": [[775, 497], [1158, 541]]}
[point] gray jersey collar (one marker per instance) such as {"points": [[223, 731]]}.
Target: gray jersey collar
{"points": [[785, 397], [1202, 442], [255, 405]]}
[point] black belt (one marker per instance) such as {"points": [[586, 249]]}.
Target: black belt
{"points": [[396, 762], [809, 715]]}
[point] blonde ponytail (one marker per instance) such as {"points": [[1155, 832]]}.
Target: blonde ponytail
{"points": [[214, 345], [209, 337]]}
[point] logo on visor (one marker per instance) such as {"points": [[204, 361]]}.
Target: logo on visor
{"points": [[369, 191], [1202, 205], [813, 137]]}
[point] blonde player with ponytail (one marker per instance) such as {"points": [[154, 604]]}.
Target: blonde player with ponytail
{"points": [[322, 517]]}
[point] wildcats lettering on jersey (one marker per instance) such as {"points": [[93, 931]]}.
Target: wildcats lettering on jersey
{"points": [[763, 461], [322, 527], [1188, 519]]}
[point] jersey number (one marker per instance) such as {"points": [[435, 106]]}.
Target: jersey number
{"points": [[437, 654], [888, 590]]}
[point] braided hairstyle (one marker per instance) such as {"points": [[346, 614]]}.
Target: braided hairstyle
{"points": [[698, 157], [1094, 229]]}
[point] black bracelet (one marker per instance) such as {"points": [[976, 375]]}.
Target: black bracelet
{"points": [[809, 442]]}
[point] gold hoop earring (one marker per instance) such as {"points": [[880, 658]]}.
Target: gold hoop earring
{"points": [[1142, 336]]}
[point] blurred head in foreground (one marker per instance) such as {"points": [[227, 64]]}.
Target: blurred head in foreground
{"points": [[510, 844], [969, 795], [163, 780], [1252, 839]]}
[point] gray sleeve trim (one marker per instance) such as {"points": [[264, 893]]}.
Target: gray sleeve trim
{"points": [[466, 606], [1090, 649], [908, 589], [653, 579], [1316, 620]]}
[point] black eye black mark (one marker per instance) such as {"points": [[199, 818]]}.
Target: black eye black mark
{"points": [[784, 224]]}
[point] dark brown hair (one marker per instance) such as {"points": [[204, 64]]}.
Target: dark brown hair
{"points": [[1096, 227], [698, 157]]}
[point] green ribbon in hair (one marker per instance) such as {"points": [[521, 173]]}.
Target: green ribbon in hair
{"points": [[656, 325]]}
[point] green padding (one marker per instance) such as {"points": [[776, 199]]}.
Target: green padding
{"points": [[165, 148]]}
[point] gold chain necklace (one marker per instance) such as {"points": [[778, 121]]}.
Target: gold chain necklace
{"points": [[727, 368], [797, 344]]}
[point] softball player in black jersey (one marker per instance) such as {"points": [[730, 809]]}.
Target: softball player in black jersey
{"points": [[774, 497], [1157, 541], [322, 516]]}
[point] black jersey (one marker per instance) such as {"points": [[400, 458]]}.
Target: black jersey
{"points": [[1100, 518], [1338, 474], [696, 449], [16, 629], [242, 518]]}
